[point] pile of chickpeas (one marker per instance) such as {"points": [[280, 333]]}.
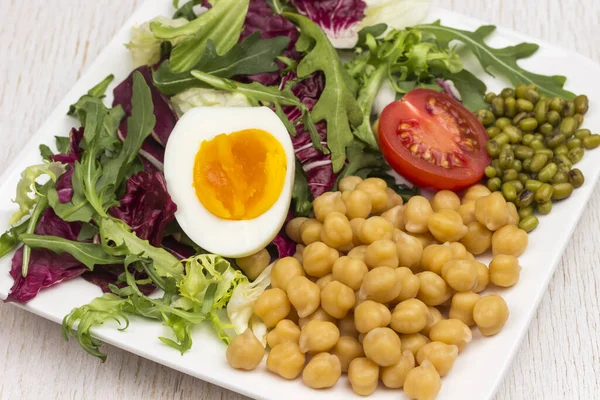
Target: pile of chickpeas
{"points": [[384, 291]]}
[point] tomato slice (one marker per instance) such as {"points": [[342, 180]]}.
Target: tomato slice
{"points": [[433, 141]]}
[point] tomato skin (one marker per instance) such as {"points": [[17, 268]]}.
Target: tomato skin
{"points": [[438, 131]]}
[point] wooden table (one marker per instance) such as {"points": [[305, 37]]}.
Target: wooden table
{"points": [[45, 47]]}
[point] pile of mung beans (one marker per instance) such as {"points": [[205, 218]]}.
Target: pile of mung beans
{"points": [[384, 291], [534, 143]]}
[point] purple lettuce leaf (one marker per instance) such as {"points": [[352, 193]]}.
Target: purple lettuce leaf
{"points": [[75, 150], [165, 116], [146, 206], [285, 246], [339, 19], [178, 249], [64, 186], [46, 268], [105, 275]]}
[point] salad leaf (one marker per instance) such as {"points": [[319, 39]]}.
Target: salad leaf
{"points": [[145, 48], [118, 240], [69, 147], [222, 24], [301, 197], [25, 198], [200, 97], [471, 89], [38, 210], [76, 208], [187, 10], [89, 254], [146, 206], [46, 153], [396, 14], [101, 309], [339, 19], [9, 239], [501, 61], [252, 56], [337, 104]]}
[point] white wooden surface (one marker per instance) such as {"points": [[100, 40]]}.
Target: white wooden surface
{"points": [[45, 46]]}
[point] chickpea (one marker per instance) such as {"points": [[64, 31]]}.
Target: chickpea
{"points": [[410, 250], [393, 376], [475, 192], [491, 211], [318, 336], [395, 216], [322, 371], [377, 190], [467, 212], [363, 375], [426, 238], [382, 253], [358, 204], [327, 203], [423, 382], [504, 270], [319, 315], [409, 282], [245, 351], [513, 214], [446, 226], [380, 284], [441, 355], [416, 214], [445, 200], [292, 229], [462, 307], [490, 314], [358, 253], [374, 229], [433, 290], [336, 232], [394, 199], [272, 306], [284, 332], [310, 231], [413, 342], [435, 256], [451, 331], [509, 240], [298, 254], [350, 272], [319, 259], [304, 295], [459, 251], [346, 326], [483, 278], [478, 238], [356, 225], [347, 349], [324, 281], [382, 345], [410, 316], [252, 266], [286, 360], [435, 316], [284, 270], [370, 315], [337, 299], [349, 183], [460, 275]]}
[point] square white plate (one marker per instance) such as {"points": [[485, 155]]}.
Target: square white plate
{"points": [[479, 369]]}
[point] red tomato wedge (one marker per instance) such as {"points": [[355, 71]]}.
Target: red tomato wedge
{"points": [[433, 141]]}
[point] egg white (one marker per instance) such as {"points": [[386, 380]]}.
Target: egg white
{"points": [[227, 238]]}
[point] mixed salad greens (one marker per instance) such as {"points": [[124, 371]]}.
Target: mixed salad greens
{"points": [[103, 211]]}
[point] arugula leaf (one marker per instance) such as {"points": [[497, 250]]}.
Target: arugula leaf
{"points": [[46, 153], [187, 10], [90, 171], [301, 196], [62, 144], [78, 209], [471, 89], [87, 232], [36, 214], [10, 239], [337, 104], [502, 61], [89, 254], [222, 24], [250, 57], [118, 240]]}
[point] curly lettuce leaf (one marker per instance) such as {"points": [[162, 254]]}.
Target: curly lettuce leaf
{"points": [[500, 61], [144, 46], [201, 97]]}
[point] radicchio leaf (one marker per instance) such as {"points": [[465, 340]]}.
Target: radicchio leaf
{"points": [[64, 186], [146, 206], [285, 246], [105, 275], [74, 153], [152, 149], [46, 268], [179, 250], [339, 19]]}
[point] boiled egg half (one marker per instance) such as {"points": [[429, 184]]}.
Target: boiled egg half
{"points": [[230, 170]]}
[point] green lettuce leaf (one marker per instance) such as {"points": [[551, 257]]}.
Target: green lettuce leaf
{"points": [[144, 46]]}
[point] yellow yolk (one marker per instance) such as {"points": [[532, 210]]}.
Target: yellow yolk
{"points": [[239, 176]]}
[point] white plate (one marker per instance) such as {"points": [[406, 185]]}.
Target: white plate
{"points": [[479, 369]]}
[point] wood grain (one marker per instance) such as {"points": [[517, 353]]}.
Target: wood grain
{"points": [[45, 47]]}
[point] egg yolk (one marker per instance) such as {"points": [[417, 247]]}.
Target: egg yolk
{"points": [[239, 176]]}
